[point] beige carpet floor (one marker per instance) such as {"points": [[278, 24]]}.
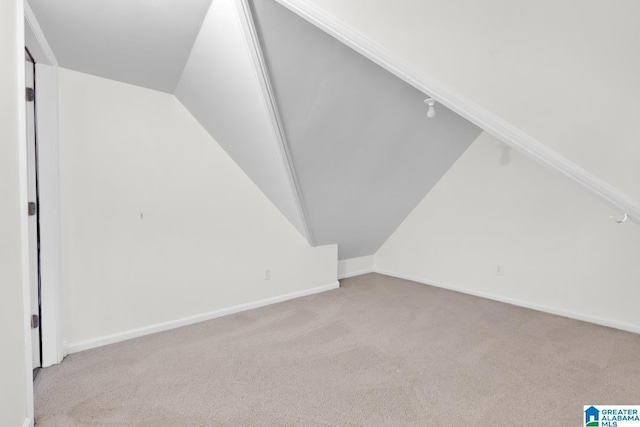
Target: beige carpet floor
{"points": [[378, 351]]}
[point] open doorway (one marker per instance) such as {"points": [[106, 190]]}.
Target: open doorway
{"points": [[33, 211], [42, 180]]}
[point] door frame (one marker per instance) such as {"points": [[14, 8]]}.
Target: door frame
{"points": [[49, 190], [32, 217]]}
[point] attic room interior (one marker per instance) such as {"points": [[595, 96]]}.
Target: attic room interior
{"points": [[318, 212]]}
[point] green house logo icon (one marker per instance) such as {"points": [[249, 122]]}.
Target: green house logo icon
{"points": [[591, 417]]}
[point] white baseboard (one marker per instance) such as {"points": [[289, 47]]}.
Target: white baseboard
{"points": [[172, 324], [27, 423], [539, 307], [355, 273]]}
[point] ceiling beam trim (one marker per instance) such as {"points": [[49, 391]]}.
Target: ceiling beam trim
{"points": [[245, 16], [463, 106]]}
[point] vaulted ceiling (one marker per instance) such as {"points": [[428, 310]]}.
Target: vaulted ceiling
{"points": [[355, 152], [142, 42]]}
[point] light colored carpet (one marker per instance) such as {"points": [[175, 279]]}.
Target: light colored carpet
{"points": [[377, 351]]}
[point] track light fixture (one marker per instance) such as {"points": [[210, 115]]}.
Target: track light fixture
{"points": [[431, 112]]}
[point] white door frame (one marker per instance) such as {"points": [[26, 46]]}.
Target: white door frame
{"points": [[49, 189], [32, 217]]}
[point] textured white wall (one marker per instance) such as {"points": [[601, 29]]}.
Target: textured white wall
{"points": [[564, 72], [14, 405], [206, 234], [557, 244], [220, 87]]}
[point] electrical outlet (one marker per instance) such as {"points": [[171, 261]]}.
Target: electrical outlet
{"points": [[499, 269], [267, 274]]}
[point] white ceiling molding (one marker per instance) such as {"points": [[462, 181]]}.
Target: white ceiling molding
{"points": [[222, 89], [244, 14], [481, 117], [45, 54]]}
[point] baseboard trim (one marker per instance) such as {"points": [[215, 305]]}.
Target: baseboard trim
{"points": [[355, 273], [172, 324], [520, 303], [27, 423]]}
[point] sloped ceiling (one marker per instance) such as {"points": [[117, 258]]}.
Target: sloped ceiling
{"points": [[567, 73], [142, 42], [220, 87], [364, 150]]}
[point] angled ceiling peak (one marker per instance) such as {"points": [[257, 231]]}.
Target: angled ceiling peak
{"points": [[224, 88], [133, 41], [328, 124]]}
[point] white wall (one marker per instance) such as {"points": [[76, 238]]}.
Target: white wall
{"points": [[206, 235], [559, 248], [221, 88], [564, 72], [15, 406], [355, 266]]}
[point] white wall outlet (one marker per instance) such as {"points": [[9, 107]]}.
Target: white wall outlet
{"points": [[499, 269], [267, 274]]}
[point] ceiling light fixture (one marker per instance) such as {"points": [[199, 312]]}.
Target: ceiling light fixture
{"points": [[431, 112]]}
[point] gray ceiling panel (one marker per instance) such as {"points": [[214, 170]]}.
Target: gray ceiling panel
{"points": [[142, 42], [364, 150]]}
